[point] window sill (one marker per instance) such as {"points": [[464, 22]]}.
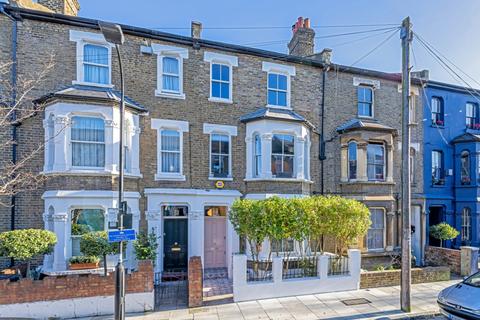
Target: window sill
{"points": [[220, 178], [278, 180], [219, 100], [366, 117], [437, 126], [92, 84], [162, 94], [353, 182], [88, 172], [278, 107], [169, 177]]}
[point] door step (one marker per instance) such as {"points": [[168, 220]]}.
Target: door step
{"points": [[215, 273]]}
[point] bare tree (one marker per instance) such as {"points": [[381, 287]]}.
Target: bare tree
{"points": [[17, 105]]}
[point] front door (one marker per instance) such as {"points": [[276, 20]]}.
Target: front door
{"points": [[435, 216], [175, 240], [215, 237], [416, 234]]}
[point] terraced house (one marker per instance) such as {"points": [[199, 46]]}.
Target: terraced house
{"points": [[207, 123]]}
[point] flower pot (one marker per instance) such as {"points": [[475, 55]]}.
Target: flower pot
{"points": [[83, 266]]}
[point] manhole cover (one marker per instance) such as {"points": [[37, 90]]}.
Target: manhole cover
{"points": [[355, 302]]}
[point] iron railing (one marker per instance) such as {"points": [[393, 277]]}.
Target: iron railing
{"points": [[338, 265], [301, 267], [259, 271]]}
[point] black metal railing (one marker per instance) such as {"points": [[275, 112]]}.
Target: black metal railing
{"points": [[259, 271], [301, 267], [338, 265]]}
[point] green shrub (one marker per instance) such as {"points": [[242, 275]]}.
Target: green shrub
{"points": [[79, 229], [27, 243], [146, 247], [96, 244], [84, 259], [443, 231], [380, 268]]}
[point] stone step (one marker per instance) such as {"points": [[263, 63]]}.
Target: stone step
{"points": [[215, 273]]}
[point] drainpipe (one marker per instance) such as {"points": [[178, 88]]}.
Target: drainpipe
{"points": [[322, 156], [14, 99]]}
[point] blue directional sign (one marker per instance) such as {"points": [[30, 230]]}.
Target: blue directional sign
{"points": [[121, 235]]}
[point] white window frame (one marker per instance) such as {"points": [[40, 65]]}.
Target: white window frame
{"points": [[180, 127], [223, 130], [70, 217], [384, 160], [288, 71], [466, 225], [365, 82], [172, 52], [89, 142], [372, 105], [294, 156], [83, 38], [384, 230], [256, 170], [221, 59]]}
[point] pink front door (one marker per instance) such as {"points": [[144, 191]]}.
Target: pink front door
{"points": [[215, 242]]}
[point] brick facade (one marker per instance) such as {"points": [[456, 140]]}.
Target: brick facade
{"points": [[195, 282], [74, 286], [249, 94]]}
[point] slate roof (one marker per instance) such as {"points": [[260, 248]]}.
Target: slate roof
{"points": [[355, 124], [274, 114], [467, 137], [91, 94]]}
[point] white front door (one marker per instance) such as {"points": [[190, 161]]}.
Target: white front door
{"points": [[417, 233]]}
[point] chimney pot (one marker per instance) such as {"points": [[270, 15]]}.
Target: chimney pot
{"points": [[196, 30], [302, 42], [306, 24]]}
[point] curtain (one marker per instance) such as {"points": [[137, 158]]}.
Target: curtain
{"points": [[170, 146], [170, 77], [258, 155], [95, 64], [88, 142]]}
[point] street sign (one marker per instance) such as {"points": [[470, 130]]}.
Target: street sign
{"points": [[121, 235]]}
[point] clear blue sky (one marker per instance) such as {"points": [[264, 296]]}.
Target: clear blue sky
{"points": [[451, 26]]}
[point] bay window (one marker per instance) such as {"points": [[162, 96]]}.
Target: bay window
{"points": [[283, 156], [375, 162], [88, 142], [257, 155], [85, 221], [352, 160]]}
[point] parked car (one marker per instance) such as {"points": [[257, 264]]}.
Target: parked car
{"points": [[461, 301]]}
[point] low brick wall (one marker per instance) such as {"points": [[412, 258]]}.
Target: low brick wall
{"points": [[74, 286], [386, 278], [195, 282], [435, 256]]}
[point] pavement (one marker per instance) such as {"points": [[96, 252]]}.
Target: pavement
{"points": [[382, 303]]}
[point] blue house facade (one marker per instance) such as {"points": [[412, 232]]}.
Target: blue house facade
{"points": [[452, 160]]}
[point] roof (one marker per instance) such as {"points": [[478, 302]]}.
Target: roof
{"points": [[274, 114], [467, 137], [356, 124], [90, 93], [184, 40], [452, 87]]}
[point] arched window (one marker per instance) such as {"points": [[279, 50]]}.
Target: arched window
{"points": [[465, 167], [257, 155], [352, 160], [466, 225]]}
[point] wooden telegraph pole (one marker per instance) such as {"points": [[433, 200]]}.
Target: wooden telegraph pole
{"points": [[406, 36]]}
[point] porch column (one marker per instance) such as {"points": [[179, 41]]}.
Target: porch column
{"points": [[267, 155], [362, 161], [59, 251], [300, 157], [48, 224], [154, 222], [196, 230], [135, 162], [390, 231], [110, 164], [389, 163], [61, 143], [249, 160]]}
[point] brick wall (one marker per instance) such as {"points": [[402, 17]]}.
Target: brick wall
{"points": [[195, 282], [374, 279], [74, 286], [435, 256]]}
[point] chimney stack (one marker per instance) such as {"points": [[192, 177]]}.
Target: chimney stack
{"points": [[196, 30], [423, 75], [68, 7], [303, 39]]}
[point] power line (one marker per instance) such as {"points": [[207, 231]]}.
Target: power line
{"points": [[276, 27], [375, 48]]}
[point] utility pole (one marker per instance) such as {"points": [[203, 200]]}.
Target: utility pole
{"points": [[405, 287]]}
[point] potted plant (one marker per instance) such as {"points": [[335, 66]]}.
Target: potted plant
{"points": [[443, 231], [146, 247], [26, 244], [439, 122], [96, 244], [83, 262]]}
